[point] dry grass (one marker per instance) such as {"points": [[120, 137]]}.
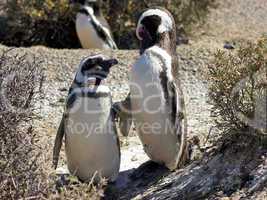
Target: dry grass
{"points": [[238, 89], [20, 79], [78, 190]]}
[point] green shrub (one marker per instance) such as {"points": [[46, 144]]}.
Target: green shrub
{"points": [[51, 23], [238, 88]]}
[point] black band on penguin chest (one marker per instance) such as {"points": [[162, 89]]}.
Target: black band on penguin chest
{"points": [[72, 97], [84, 11]]}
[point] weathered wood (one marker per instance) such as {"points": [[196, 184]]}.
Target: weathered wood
{"points": [[226, 172]]}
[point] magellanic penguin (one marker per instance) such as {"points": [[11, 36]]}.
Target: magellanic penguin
{"points": [[92, 29], [156, 100], [91, 142]]}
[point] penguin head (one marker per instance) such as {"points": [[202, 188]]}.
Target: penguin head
{"points": [[153, 26], [94, 68], [94, 4]]}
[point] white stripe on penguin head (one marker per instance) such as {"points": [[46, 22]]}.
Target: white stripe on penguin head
{"points": [[80, 78], [166, 21]]}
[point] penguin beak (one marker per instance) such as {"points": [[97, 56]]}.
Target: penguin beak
{"points": [[113, 62], [107, 64], [110, 62]]}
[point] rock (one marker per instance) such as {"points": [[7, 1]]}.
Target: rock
{"points": [[228, 46]]}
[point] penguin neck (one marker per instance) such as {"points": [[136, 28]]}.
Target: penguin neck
{"points": [[164, 42], [93, 87], [89, 10], [95, 80], [167, 44]]}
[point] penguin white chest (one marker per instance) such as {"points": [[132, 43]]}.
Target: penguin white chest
{"points": [[87, 34], [151, 113], [91, 140], [146, 90]]}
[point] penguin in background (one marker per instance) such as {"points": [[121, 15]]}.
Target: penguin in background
{"points": [[91, 143], [92, 28], [155, 101]]}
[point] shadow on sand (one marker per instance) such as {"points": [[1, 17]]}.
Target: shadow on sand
{"points": [[135, 180]]}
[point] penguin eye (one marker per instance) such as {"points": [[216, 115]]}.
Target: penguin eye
{"points": [[96, 61], [91, 63], [86, 67], [99, 60], [98, 68]]}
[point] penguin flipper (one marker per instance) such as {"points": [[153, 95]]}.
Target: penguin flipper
{"points": [[180, 122], [115, 128], [123, 114], [108, 37], [58, 142]]}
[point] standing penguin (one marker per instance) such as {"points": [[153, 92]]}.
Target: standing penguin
{"points": [[91, 142], [91, 27], [156, 100]]}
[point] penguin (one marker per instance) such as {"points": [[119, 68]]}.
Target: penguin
{"points": [[155, 102], [92, 29], [91, 143]]}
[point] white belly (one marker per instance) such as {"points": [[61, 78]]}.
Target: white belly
{"points": [[152, 116], [87, 34], [91, 141]]}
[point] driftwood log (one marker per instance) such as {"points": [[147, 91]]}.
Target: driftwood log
{"points": [[238, 169]]}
